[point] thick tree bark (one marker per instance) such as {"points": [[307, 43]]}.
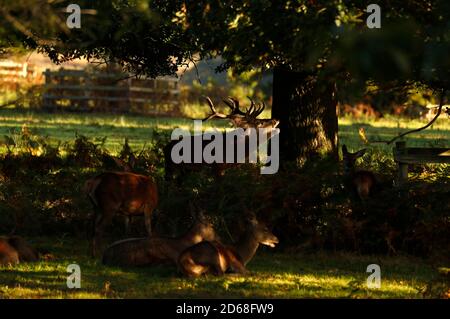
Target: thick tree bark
{"points": [[307, 110]]}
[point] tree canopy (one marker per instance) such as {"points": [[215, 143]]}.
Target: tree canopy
{"points": [[322, 37], [329, 38]]}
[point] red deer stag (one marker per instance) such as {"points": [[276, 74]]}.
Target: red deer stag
{"points": [[240, 119], [360, 181], [14, 250], [125, 193], [215, 258], [157, 250]]}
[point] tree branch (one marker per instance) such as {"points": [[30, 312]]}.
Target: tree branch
{"points": [[441, 102], [11, 102]]}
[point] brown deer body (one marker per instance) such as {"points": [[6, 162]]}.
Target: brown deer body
{"points": [[210, 257], [14, 250], [362, 182], [240, 119], [218, 169], [157, 250], [124, 193]]}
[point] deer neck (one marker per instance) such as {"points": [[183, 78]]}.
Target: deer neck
{"points": [[192, 237], [349, 170], [246, 247]]}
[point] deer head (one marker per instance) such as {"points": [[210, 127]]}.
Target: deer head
{"points": [[123, 165], [203, 224], [350, 158], [261, 232], [241, 119]]}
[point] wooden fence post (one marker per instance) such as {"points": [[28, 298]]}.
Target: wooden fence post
{"points": [[402, 177], [45, 100], [24, 72]]}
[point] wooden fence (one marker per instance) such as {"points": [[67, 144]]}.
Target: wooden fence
{"points": [[79, 90], [404, 156], [13, 73]]}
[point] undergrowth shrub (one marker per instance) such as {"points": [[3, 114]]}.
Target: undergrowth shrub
{"points": [[41, 193]]}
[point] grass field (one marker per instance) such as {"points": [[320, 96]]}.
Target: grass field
{"points": [[140, 129], [273, 273]]}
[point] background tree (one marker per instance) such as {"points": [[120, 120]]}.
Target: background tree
{"points": [[322, 50], [24, 24]]}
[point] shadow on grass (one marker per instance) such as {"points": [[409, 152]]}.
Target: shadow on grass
{"points": [[277, 275]]}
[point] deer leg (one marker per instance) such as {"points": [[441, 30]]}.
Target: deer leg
{"points": [[148, 219], [100, 223], [91, 238], [105, 213], [91, 228], [95, 234], [168, 174], [127, 224], [237, 267], [218, 271], [196, 270], [188, 267]]}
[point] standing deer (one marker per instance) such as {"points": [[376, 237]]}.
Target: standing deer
{"points": [[127, 193], [15, 249], [240, 119], [157, 250], [360, 181], [214, 257]]}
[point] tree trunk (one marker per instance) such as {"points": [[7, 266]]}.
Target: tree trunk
{"points": [[307, 110]]}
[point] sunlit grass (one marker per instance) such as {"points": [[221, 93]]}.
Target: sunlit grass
{"points": [[384, 129], [61, 129], [140, 129], [64, 127], [272, 275]]}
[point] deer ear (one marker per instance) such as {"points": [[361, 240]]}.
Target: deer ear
{"points": [[360, 152], [201, 215], [121, 164], [251, 218], [132, 160], [196, 213]]}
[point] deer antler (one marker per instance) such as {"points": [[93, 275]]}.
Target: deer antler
{"points": [[255, 110], [238, 117], [233, 104], [252, 112], [214, 111]]}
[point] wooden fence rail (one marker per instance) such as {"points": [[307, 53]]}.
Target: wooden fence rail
{"points": [[102, 91], [13, 74], [13, 69]]}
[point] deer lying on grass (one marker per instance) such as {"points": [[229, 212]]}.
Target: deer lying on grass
{"points": [[14, 250], [157, 250], [212, 257], [240, 120], [360, 181], [123, 193]]}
